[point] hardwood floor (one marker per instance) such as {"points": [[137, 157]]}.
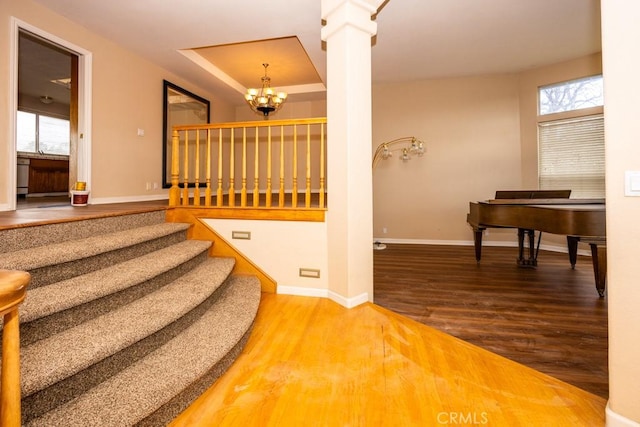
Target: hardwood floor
{"points": [[312, 362], [549, 318]]}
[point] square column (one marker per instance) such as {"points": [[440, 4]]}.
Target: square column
{"points": [[348, 33]]}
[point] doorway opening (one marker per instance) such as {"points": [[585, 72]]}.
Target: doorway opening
{"points": [[51, 118], [46, 119]]}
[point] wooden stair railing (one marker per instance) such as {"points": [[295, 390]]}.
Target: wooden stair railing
{"points": [[13, 289], [226, 159]]}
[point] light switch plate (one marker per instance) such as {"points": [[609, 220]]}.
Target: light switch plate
{"points": [[632, 183]]}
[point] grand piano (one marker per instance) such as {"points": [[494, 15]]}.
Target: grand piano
{"points": [[548, 211]]}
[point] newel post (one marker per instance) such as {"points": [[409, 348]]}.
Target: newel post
{"points": [[174, 191], [13, 289]]}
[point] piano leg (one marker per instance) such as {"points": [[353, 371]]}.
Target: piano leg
{"points": [[477, 240], [531, 261], [599, 258], [572, 246]]}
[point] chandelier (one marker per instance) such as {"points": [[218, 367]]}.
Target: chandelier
{"points": [[409, 146], [265, 101]]}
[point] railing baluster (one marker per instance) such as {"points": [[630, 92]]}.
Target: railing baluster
{"points": [[307, 194], [281, 191], [268, 201], [256, 172], [185, 176], [321, 190], [294, 185], [207, 193], [243, 191], [196, 190], [232, 160], [219, 194]]}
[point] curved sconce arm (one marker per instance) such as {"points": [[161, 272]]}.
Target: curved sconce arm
{"points": [[412, 146]]}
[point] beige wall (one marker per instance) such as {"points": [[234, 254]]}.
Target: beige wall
{"points": [[621, 64], [127, 96], [472, 134]]}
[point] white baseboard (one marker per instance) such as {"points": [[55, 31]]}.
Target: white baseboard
{"points": [[324, 293], [5, 207], [485, 243], [349, 302], [614, 419]]}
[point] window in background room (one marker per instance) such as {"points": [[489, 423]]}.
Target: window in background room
{"points": [[570, 96], [571, 138], [37, 133]]}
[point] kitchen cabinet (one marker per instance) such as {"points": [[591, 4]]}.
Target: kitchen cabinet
{"points": [[48, 176]]}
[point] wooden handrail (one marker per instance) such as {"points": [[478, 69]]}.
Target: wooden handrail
{"points": [[13, 289], [275, 157]]}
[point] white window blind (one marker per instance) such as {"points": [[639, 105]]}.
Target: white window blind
{"points": [[571, 156]]}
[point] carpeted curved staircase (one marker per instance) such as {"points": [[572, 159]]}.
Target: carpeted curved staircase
{"points": [[126, 321]]}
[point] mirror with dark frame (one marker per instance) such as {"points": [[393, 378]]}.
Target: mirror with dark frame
{"points": [[180, 107]]}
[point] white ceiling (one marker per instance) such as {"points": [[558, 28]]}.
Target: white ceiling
{"points": [[417, 39]]}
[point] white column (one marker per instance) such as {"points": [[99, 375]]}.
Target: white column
{"points": [[621, 65], [348, 33]]}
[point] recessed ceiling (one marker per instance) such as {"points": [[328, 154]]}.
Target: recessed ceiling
{"points": [[289, 64]]}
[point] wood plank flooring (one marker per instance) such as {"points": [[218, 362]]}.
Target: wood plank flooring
{"points": [[549, 318], [312, 362]]}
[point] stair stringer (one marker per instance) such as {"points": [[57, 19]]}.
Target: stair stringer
{"points": [[199, 230]]}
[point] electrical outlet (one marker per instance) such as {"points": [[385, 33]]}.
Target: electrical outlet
{"points": [[148, 186], [384, 230]]}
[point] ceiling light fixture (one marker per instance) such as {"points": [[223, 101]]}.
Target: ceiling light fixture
{"points": [[46, 99], [265, 101]]}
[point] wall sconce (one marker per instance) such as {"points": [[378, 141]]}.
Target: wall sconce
{"points": [[412, 147]]}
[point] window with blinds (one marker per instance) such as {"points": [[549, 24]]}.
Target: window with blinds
{"points": [[571, 156]]}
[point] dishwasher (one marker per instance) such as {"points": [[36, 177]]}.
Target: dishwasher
{"points": [[23, 176]]}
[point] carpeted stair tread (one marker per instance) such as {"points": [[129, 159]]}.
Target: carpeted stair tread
{"points": [[139, 390], [46, 300], [60, 356], [57, 253], [13, 239]]}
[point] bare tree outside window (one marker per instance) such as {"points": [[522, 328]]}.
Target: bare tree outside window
{"points": [[572, 95]]}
